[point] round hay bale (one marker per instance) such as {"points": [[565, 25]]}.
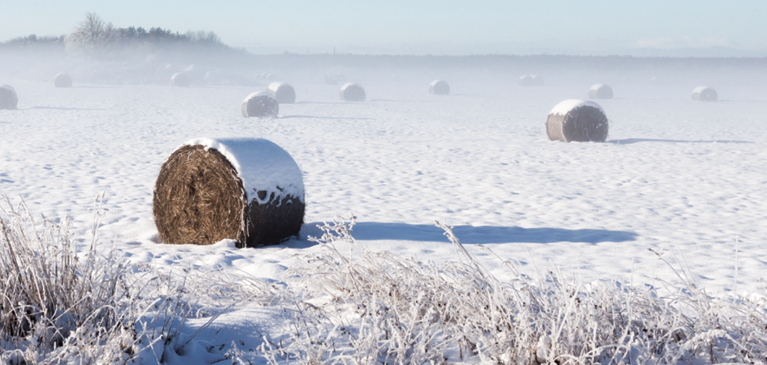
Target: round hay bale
{"points": [[260, 105], [248, 190], [8, 97], [62, 80], [526, 80], [333, 78], [180, 79], [600, 91], [352, 92], [577, 120], [284, 93], [439, 87], [704, 93], [537, 80]]}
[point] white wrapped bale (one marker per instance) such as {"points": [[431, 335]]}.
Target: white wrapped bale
{"points": [[8, 97], [284, 93], [439, 87], [62, 80], [600, 91], [537, 80], [180, 79], [352, 92], [249, 190], [260, 105], [704, 93], [577, 121], [526, 80]]}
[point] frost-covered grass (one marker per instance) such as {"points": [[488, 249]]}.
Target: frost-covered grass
{"points": [[377, 307], [355, 307]]}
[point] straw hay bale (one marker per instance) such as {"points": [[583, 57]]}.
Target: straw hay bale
{"points": [[180, 79], [577, 120], [704, 93], [8, 97], [260, 105], [284, 93], [439, 87], [62, 80], [352, 92], [600, 91], [526, 80], [248, 190]]}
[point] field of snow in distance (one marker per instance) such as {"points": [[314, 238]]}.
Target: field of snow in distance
{"points": [[674, 173]]}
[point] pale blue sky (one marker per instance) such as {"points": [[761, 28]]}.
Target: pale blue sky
{"points": [[646, 27]]}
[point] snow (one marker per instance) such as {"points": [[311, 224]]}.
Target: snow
{"points": [[261, 165], [566, 106], [674, 175], [596, 87]]}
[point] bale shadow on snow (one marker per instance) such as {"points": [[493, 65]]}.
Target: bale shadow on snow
{"points": [[313, 117], [370, 231], [637, 140], [60, 108]]}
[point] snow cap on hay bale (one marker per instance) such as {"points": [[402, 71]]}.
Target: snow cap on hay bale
{"points": [[352, 92], [8, 97], [284, 93], [179, 79], [62, 80], [249, 190], [536, 80], [526, 80], [704, 93], [577, 120], [600, 91], [439, 87], [260, 105]]}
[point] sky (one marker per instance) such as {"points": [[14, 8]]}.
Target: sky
{"points": [[734, 28]]}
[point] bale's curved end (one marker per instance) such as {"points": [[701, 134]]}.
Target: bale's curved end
{"points": [[198, 198], [352, 92], [62, 80], [260, 105], [439, 87]]}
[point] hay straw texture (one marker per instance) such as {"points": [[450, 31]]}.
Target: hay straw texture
{"points": [[62, 80], [179, 79], [439, 87], [8, 97], [284, 93], [248, 190], [600, 91], [526, 80], [704, 93], [577, 121], [260, 105], [352, 92]]}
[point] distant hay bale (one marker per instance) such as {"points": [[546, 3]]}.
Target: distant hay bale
{"points": [[704, 93], [577, 121], [333, 78], [180, 79], [600, 91], [62, 80], [526, 80], [248, 190], [260, 105], [8, 97], [352, 92], [284, 93], [536, 80], [439, 87]]}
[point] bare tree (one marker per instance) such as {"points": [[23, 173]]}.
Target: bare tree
{"points": [[90, 34]]}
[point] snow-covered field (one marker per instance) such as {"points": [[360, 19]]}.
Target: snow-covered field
{"points": [[673, 175]]}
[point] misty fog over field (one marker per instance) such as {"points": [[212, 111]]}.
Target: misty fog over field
{"points": [[434, 214]]}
